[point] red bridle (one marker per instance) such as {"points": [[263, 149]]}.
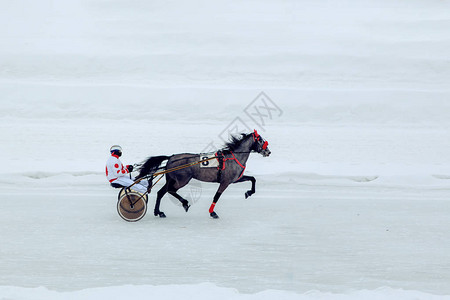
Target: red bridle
{"points": [[257, 137]]}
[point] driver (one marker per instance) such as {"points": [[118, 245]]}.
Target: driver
{"points": [[118, 174]]}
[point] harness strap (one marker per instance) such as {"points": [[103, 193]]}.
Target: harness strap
{"points": [[222, 159], [219, 156], [234, 157]]}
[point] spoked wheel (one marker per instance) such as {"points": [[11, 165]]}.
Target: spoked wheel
{"points": [[125, 190], [131, 206]]}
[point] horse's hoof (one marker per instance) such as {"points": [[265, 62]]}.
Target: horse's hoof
{"points": [[248, 194], [186, 206], [160, 214], [214, 215]]}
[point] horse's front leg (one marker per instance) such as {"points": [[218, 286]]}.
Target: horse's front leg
{"points": [[248, 178], [219, 192]]}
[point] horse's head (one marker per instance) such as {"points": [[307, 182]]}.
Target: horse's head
{"points": [[260, 145]]}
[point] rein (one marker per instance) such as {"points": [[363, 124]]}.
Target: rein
{"points": [[172, 170], [193, 155]]}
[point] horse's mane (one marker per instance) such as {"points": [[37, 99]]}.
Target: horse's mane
{"points": [[235, 141]]}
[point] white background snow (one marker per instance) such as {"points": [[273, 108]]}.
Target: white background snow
{"points": [[353, 203]]}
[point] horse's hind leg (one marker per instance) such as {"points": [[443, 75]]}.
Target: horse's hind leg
{"points": [[173, 187], [160, 194]]}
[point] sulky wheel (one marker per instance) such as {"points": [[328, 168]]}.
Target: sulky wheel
{"points": [[125, 190], [132, 206]]}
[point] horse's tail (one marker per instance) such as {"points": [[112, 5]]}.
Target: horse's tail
{"points": [[151, 165]]}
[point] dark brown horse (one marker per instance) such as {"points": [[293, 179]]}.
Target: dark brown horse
{"points": [[231, 166]]}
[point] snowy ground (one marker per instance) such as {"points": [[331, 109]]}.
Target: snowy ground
{"points": [[353, 203]]}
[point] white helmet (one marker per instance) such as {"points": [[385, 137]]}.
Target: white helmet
{"points": [[116, 149]]}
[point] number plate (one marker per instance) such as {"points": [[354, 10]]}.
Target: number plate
{"points": [[213, 163]]}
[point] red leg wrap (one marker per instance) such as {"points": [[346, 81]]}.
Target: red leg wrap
{"points": [[211, 209]]}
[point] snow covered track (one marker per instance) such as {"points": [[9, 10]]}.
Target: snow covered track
{"points": [[285, 238]]}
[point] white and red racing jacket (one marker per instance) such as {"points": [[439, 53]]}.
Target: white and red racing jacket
{"points": [[115, 168]]}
